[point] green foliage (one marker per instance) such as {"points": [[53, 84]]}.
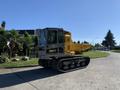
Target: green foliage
{"points": [[3, 59], [85, 42], [116, 48], [19, 44], [109, 41], [97, 45], [25, 58], [3, 40], [14, 35], [78, 42], [116, 51], [15, 59], [3, 24], [27, 38], [27, 44], [2, 32]]}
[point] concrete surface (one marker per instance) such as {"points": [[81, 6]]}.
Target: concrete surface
{"points": [[101, 74]]}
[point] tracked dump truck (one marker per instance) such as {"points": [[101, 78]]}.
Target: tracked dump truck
{"points": [[57, 51]]}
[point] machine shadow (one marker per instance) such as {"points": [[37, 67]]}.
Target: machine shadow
{"points": [[20, 77]]}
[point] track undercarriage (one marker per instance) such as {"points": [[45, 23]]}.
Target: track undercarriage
{"points": [[65, 63]]}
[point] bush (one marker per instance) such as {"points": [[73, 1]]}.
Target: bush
{"points": [[15, 59], [25, 58], [116, 48], [3, 59]]}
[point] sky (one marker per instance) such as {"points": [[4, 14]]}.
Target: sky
{"points": [[87, 20]]}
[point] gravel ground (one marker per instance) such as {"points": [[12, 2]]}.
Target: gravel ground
{"points": [[101, 74]]}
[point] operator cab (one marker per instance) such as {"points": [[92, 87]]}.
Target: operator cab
{"points": [[51, 42]]}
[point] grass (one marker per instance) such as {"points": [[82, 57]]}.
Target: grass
{"points": [[95, 54], [18, 64], [34, 61]]}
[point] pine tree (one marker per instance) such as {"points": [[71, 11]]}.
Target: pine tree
{"points": [[109, 41]]}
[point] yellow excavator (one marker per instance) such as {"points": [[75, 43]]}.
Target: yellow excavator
{"points": [[57, 50]]}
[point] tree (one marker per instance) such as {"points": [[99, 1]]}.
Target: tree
{"points": [[74, 42], [85, 42], [27, 38], [3, 40], [109, 41], [35, 40], [13, 48], [14, 34], [78, 42], [97, 45], [13, 44], [3, 25], [26, 44]]}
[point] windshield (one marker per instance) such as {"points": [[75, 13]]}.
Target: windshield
{"points": [[51, 37], [42, 38]]}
